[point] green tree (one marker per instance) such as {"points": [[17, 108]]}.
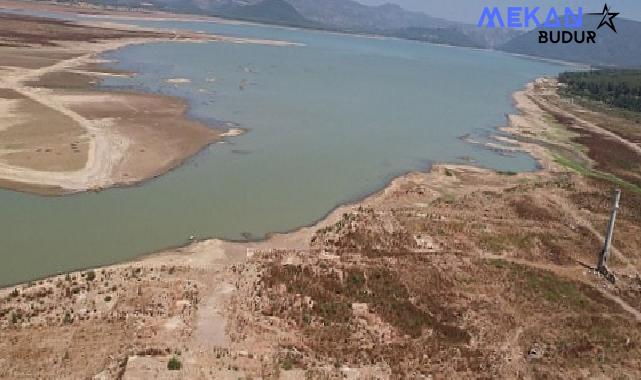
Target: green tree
{"points": [[174, 364]]}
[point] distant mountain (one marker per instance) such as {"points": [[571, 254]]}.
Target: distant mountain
{"points": [[446, 35], [622, 49], [269, 11], [347, 15], [392, 20], [351, 15], [612, 50], [489, 38], [339, 15]]}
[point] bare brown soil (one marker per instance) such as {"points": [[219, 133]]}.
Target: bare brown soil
{"points": [[58, 145], [32, 58], [457, 273], [64, 80], [608, 154], [464, 274], [20, 31], [91, 323], [95, 10], [59, 134], [160, 136], [460, 272]]}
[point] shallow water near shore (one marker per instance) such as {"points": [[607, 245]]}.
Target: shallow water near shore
{"points": [[328, 122]]}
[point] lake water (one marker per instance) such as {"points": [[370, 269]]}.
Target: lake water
{"points": [[327, 123]]}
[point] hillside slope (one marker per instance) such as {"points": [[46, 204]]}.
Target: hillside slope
{"points": [[620, 49], [269, 11], [348, 14], [340, 15]]}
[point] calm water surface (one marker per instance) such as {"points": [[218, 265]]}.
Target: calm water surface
{"points": [[328, 122]]}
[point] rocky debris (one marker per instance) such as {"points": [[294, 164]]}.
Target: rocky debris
{"points": [[112, 313], [535, 352]]}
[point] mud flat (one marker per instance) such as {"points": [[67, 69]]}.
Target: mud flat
{"points": [[95, 10], [59, 134]]}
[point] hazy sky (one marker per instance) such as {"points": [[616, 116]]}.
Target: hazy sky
{"points": [[470, 10]]}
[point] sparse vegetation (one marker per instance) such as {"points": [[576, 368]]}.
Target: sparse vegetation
{"points": [[435, 303], [408, 286], [287, 363], [608, 158], [174, 364], [580, 169], [618, 88]]}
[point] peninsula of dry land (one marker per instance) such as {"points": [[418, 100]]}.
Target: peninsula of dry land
{"points": [[60, 134]]}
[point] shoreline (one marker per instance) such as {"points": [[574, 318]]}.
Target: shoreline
{"points": [[119, 148], [95, 57], [455, 271], [176, 164], [215, 305], [62, 187], [545, 166], [99, 12]]}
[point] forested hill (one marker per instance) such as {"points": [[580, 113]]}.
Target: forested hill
{"points": [[621, 50], [618, 88], [277, 12]]}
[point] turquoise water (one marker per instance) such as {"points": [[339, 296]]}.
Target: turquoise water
{"points": [[327, 123]]}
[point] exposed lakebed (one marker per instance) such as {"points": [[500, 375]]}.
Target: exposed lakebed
{"points": [[327, 122]]}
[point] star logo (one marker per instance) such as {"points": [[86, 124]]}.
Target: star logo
{"points": [[608, 18]]}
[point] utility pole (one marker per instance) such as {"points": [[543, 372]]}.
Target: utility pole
{"points": [[605, 254]]}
